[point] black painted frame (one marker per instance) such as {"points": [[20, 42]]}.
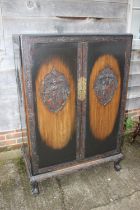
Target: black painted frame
{"points": [[26, 41]]}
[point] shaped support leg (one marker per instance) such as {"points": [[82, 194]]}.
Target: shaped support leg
{"points": [[117, 166], [35, 188]]}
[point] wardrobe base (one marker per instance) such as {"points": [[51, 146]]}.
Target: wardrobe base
{"points": [[34, 179]]}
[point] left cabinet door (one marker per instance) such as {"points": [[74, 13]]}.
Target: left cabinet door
{"points": [[49, 78]]}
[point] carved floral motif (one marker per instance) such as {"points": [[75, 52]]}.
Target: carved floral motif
{"points": [[105, 85], [54, 90]]}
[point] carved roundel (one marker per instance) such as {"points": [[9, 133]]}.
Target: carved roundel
{"points": [[105, 85], [54, 90]]}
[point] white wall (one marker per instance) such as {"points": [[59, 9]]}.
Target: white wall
{"points": [[52, 16]]}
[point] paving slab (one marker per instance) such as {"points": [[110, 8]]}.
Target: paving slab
{"points": [[99, 188]]}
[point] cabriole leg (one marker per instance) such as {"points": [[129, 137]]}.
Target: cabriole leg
{"points": [[117, 166], [35, 188]]}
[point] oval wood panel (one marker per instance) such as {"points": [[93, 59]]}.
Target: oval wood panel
{"points": [[56, 128], [103, 116]]}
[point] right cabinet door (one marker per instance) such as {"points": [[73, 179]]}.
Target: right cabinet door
{"points": [[105, 76]]}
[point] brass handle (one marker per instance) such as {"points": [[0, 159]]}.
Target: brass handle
{"points": [[82, 88]]}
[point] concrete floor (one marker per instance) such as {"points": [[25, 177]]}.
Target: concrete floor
{"points": [[99, 188]]}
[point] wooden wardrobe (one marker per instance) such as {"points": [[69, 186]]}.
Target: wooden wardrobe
{"points": [[74, 90]]}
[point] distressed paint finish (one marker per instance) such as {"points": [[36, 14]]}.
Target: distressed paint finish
{"points": [[56, 128], [103, 120], [82, 65]]}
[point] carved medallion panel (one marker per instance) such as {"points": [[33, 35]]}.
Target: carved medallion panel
{"points": [[54, 90], [105, 85]]}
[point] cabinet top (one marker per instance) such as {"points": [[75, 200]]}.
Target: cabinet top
{"points": [[22, 36]]}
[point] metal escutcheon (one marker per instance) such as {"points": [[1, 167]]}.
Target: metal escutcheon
{"points": [[82, 88]]}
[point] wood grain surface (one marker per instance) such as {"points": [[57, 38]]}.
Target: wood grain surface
{"points": [[56, 128], [65, 8], [102, 117]]}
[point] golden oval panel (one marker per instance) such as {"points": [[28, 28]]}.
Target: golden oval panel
{"points": [[103, 115], [56, 125]]}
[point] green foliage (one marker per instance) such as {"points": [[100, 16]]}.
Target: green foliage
{"points": [[128, 124]]}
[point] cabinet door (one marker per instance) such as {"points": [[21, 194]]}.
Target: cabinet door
{"points": [[53, 70], [106, 91]]}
